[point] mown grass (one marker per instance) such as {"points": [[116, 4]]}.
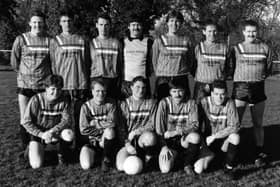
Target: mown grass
{"points": [[17, 172]]}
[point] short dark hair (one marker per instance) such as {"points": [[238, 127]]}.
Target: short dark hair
{"points": [[38, 13], [220, 84], [97, 81], [54, 80], [66, 12], [249, 22], [140, 79], [177, 84], [175, 14], [103, 15], [209, 22], [135, 18]]}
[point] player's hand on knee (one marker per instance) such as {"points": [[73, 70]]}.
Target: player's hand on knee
{"points": [[47, 137], [130, 149]]}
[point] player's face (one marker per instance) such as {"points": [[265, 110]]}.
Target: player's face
{"points": [[218, 96], [250, 33], [173, 25], [177, 94], [135, 29], [98, 93], [103, 26], [66, 23], [210, 33], [52, 93], [138, 90], [36, 24]]}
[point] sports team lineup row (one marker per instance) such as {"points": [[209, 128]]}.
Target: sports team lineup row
{"points": [[169, 128]]}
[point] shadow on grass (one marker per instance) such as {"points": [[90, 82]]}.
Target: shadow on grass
{"points": [[272, 144]]}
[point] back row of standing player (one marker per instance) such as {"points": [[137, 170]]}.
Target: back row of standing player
{"points": [[170, 57]]}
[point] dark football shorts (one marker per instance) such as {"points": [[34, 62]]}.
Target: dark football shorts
{"points": [[251, 92], [27, 92]]}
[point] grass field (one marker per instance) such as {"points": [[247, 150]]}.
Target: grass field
{"points": [[17, 172]]}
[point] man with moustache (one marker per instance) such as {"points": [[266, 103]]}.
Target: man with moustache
{"points": [[177, 126], [136, 56], [251, 65]]}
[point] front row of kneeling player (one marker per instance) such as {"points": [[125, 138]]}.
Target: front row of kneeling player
{"points": [[174, 129]]}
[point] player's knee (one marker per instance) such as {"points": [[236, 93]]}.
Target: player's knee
{"points": [[234, 138], [109, 133], [67, 135], [199, 166], [193, 138], [147, 139], [35, 163], [165, 166], [86, 158]]}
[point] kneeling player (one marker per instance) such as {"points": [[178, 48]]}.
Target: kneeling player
{"points": [[137, 114], [97, 122], [221, 124], [177, 123], [47, 118]]}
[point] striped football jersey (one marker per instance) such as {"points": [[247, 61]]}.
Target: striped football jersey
{"points": [[252, 62], [137, 115], [182, 117], [69, 60], [105, 58], [42, 115], [30, 58], [223, 120], [94, 119], [211, 62], [172, 56]]}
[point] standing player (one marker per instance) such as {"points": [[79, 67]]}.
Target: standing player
{"points": [[30, 59], [46, 116], [172, 56], [251, 66], [105, 54], [136, 56], [211, 61], [222, 124], [138, 118], [97, 122], [69, 60], [177, 124]]}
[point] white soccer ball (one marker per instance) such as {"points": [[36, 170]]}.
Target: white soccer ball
{"points": [[67, 135], [132, 165]]}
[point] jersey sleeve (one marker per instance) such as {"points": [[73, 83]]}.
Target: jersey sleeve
{"points": [[53, 48], [30, 122], [88, 126], [16, 53], [155, 53]]}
